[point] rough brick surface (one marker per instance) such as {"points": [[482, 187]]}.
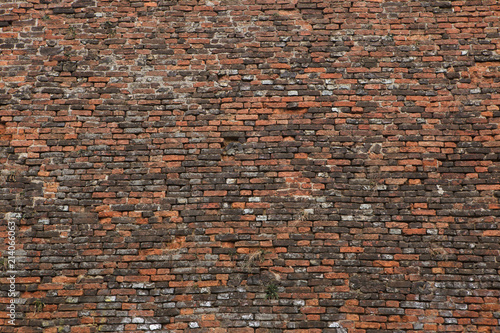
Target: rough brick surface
{"points": [[251, 165]]}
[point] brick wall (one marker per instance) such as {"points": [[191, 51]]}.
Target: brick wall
{"points": [[251, 165]]}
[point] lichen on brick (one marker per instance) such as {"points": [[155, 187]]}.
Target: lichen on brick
{"points": [[251, 166]]}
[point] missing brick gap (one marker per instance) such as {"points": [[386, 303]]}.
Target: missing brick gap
{"points": [[230, 139]]}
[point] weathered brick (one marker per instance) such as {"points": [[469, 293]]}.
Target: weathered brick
{"points": [[174, 174]]}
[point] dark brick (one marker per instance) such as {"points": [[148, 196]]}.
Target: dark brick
{"points": [[175, 166]]}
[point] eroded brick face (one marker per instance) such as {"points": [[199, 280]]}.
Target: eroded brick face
{"points": [[251, 165]]}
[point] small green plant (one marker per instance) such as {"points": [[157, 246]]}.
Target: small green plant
{"points": [[3, 264], [39, 305], [71, 32], [45, 17], [232, 253], [194, 288], [272, 291]]}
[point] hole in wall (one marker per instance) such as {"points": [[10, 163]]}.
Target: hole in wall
{"points": [[228, 140]]}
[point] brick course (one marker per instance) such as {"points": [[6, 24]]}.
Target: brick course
{"points": [[251, 165]]}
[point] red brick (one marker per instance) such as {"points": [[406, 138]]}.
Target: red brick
{"points": [[174, 160]]}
